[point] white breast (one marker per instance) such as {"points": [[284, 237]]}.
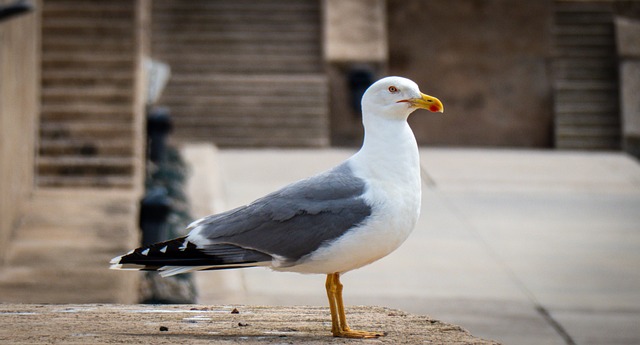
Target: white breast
{"points": [[392, 175]]}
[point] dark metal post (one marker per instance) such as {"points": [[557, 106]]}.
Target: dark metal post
{"points": [[154, 210], [159, 125]]}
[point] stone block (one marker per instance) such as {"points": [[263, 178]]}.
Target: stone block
{"points": [[355, 31], [628, 37]]}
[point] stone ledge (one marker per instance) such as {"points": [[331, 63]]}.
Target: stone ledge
{"points": [[196, 324]]}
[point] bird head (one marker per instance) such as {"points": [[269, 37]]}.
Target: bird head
{"points": [[397, 97]]}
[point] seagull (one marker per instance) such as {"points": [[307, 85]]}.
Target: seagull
{"points": [[331, 223]]}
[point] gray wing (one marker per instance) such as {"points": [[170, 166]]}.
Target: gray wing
{"points": [[294, 221]]}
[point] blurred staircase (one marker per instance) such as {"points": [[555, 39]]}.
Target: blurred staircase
{"points": [[88, 132], [585, 69], [87, 115], [244, 73]]}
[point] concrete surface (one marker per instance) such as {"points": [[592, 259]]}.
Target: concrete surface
{"points": [[181, 324], [524, 247]]}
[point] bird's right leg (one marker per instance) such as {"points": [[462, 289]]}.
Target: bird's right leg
{"points": [[339, 326]]}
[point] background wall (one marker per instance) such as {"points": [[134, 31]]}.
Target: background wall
{"points": [[486, 60], [19, 87]]}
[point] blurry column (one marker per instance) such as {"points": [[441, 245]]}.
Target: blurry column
{"points": [[628, 45]]}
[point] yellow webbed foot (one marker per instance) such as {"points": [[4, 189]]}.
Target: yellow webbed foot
{"points": [[351, 333], [339, 326]]}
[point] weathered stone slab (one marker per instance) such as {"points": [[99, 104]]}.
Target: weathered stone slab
{"points": [[191, 324]]}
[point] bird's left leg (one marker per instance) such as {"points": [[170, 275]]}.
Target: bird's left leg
{"points": [[338, 318], [331, 293]]}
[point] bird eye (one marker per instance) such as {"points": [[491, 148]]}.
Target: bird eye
{"points": [[393, 89]]}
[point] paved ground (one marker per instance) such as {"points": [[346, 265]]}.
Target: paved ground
{"points": [[524, 247]]}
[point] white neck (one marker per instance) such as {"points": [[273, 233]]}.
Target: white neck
{"points": [[390, 148]]}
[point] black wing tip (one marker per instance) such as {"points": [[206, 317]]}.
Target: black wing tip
{"points": [[180, 252]]}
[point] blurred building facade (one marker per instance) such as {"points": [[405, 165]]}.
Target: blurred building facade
{"points": [[542, 74], [284, 73]]}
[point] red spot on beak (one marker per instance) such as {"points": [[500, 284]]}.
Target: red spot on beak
{"points": [[434, 108]]}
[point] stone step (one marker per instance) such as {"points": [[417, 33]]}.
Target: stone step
{"points": [[275, 67], [254, 138], [89, 31], [584, 63], [90, 167], [587, 120], [178, 97], [582, 40], [92, 147], [105, 66], [85, 111], [77, 22], [117, 163], [586, 107], [88, 57], [83, 43], [119, 6], [242, 6], [230, 83], [285, 49], [83, 74], [205, 112], [89, 82], [223, 39], [578, 96], [587, 85], [103, 90], [586, 74], [88, 96], [256, 79], [588, 143], [226, 63], [110, 102], [251, 48], [255, 12], [215, 25], [583, 130], [585, 52], [84, 130], [256, 120], [589, 17], [564, 6], [223, 58], [95, 180], [591, 29]]}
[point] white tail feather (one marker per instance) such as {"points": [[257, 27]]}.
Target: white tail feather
{"points": [[167, 271]]}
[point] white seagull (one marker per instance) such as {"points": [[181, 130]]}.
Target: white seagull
{"points": [[330, 223]]}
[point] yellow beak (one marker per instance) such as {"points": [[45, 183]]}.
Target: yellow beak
{"points": [[427, 102]]}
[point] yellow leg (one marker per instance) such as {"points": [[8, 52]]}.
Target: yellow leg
{"points": [[339, 326], [331, 291]]}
